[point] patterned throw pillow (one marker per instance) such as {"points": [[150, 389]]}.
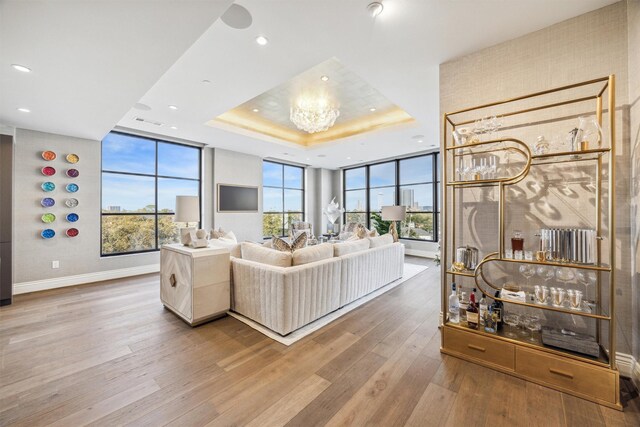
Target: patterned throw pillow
{"points": [[361, 231], [216, 234], [284, 246]]}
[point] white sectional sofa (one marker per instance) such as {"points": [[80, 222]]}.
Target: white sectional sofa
{"points": [[285, 291]]}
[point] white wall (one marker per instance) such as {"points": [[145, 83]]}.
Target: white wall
{"points": [[230, 167]]}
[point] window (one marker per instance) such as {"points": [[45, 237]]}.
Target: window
{"points": [[141, 178], [411, 182], [282, 197]]}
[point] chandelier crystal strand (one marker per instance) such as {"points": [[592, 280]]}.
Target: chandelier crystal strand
{"points": [[313, 115]]}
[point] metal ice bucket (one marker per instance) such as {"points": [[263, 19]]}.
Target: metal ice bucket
{"points": [[468, 256], [574, 245]]}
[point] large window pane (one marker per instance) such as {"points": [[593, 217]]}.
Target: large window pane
{"points": [[417, 226], [355, 178], [168, 189], [126, 153], [272, 174], [293, 200], [293, 177], [169, 231], [128, 193], [128, 233], [357, 217], [290, 218], [272, 200], [355, 200], [272, 224], [382, 174], [415, 170], [417, 197], [178, 160], [379, 197]]}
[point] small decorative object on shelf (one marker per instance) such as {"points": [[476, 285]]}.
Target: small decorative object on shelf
{"points": [[47, 202], [542, 146], [48, 186], [73, 158], [467, 256], [72, 188], [72, 217], [73, 173], [517, 242], [48, 171], [49, 155], [72, 232], [71, 202], [48, 233], [48, 218]]}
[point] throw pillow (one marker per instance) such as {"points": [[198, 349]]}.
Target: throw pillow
{"points": [[216, 234], [373, 233], [361, 231], [284, 246], [385, 239], [256, 253], [312, 254], [359, 245], [229, 236]]}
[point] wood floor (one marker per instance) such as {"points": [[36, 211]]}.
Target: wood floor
{"points": [[108, 354]]}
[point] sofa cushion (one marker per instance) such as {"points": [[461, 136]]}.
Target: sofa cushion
{"points": [[385, 239], [234, 248], [256, 253], [312, 254], [350, 247]]}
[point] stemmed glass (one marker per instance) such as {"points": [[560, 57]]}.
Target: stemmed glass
{"points": [[565, 275], [587, 278], [527, 270], [512, 320], [545, 273], [493, 167], [532, 323]]}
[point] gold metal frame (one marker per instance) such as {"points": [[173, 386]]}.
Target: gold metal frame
{"points": [[449, 210]]}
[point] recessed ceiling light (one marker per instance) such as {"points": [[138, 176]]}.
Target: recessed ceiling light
{"points": [[141, 106], [262, 40], [173, 127], [237, 17], [21, 68], [207, 82], [173, 107], [372, 109], [308, 158], [24, 110], [375, 9], [348, 158], [324, 78], [420, 140], [255, 110]]}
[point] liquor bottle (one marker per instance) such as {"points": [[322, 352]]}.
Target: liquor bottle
{"points": [[484, 307], [497, 310], [454, 305], [490, 321], [472, 313], [517, 242], [463, 306]]}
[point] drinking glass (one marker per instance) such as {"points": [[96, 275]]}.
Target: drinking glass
{"points": [[542, 294], [565, 275], [493, 166], [575, 299], [527, 270], [512, 320], [587, 278], [557, 297], [517, 255], [545, 273], [532, 323], [528, 255], [590, 132]]}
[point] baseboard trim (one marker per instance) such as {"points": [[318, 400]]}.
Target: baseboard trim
{"points": [[417, 252], [81, 279], [629, 367]]}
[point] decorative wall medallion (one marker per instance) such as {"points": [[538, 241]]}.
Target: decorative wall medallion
{"points": [[47, 202], [48, 155], [48, 171], [48, 218], [48, 233], [73, 158], [73, 173], [73, 217], [72, 188], [48, 186], [72, 232], [71, 203]]}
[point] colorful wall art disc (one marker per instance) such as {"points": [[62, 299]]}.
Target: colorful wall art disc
{"points": [[47, 202], [72, 188], [73, 158], [48, 233], [72, 232], [48, 186], [71, 203], [72, 217], [48, 155], [72, 173], [48, 171], [48, 218]]}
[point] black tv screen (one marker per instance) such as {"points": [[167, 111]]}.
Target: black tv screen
{"points": [[236, 198]]}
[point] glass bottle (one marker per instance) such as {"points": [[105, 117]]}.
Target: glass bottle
{"points": [[490, 321], [484, 307], [463, 306], [541, 146], [454, 305], [517, 241], [498, 310], [472, 313]]}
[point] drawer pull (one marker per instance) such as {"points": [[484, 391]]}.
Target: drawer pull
{"points": [[561, 373], [475, 347], [173, 280]]}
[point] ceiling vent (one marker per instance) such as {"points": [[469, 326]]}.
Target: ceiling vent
{"points": [[151, 122]]}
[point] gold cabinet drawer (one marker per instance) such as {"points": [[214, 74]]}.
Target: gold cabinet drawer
{"points": [[480, 347], [567, 374]]}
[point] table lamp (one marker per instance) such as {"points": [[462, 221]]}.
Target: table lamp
{"points": [[187, 210], [393, 214]]}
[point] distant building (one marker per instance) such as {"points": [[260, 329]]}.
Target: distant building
{"points": [[114, 209]]}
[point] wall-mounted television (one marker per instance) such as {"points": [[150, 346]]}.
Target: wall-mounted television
{"points": [[237, 198]]}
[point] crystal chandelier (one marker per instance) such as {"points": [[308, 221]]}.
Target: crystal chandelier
{"points": [[313, 114]]}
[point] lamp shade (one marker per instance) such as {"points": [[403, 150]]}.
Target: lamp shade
{"points": [[394, 213], [187, 209]]}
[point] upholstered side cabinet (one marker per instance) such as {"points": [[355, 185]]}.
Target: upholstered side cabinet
{"points": [[194, 283]]}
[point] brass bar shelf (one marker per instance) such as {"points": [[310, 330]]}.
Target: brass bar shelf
{"points": [[571, 153], [554, 264], [602, 360], [466, 273]]}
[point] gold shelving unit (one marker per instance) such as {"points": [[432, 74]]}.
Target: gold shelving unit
{"points": [[592, 378]]}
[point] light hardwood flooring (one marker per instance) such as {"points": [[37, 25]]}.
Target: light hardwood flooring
{"points": [[108, 354]]}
